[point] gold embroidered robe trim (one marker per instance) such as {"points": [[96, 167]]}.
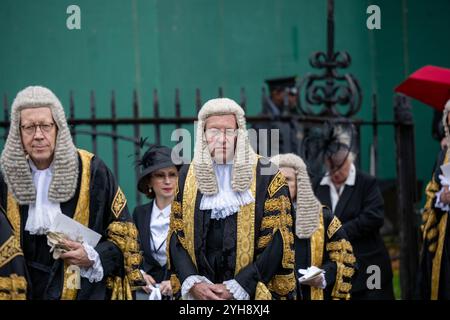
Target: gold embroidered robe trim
{"points": [[188, 208], [245, 243], [334, 226], [81, 215], [13, 287], [9, 250], [317, 243], [118, 203]]}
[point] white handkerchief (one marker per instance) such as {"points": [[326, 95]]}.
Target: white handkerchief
{"points": [[155, 294], [310, 273], [74, 230]]}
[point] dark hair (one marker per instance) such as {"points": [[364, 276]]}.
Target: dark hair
{"points": [[151, 195]]}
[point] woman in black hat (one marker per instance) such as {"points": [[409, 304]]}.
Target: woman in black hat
{"points": [[158, 181], [356, 200]]}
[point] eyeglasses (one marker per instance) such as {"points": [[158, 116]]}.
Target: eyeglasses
{"points": [[31, 129], [162, 176], [215, 133]]}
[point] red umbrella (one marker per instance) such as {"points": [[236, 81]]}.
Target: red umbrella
{"points": [[430, 85]]}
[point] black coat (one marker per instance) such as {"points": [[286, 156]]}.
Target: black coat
{"points": [[361, 211], [142, 217]]}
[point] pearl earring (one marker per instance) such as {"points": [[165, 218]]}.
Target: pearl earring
{"points": [[150, 189]]}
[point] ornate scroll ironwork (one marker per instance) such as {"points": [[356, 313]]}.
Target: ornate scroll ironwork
{"points": [[329, 90]]}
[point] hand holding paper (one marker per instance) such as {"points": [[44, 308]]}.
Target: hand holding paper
{"points": [[77, 255], [312, 276], [64, 228]]}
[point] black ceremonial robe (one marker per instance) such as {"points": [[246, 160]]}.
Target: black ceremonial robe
{"points": [[253, 246], [99, 204], [329, 249], [434, 267]]}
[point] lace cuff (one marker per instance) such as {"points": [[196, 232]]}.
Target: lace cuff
{"points": [[95, 272], [439, 204], [324, 282], [236, 290], [188, 283]]}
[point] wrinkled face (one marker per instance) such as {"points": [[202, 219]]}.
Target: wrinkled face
{"points": [[221, 136], [38, 132], [291, 180], [164, 181], [339, 169]]}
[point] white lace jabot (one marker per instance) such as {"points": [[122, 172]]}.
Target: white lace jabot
{"points": [[42, 212], [226, 202]]}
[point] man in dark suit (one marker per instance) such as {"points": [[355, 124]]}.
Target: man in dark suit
{"points": [[282, 101], [357, 201]]}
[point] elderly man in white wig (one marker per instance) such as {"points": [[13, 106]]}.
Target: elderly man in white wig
{"points": [[324, 260], [230, 232], [44, 176], [434, 268]]}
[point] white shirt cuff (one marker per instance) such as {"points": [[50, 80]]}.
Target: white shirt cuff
{"points": [[188, 283], [439, 204], [95, 272], [236, 290], [324, 282]]}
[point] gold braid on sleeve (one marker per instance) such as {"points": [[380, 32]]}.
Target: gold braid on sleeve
{"points": [[429, 220], [283, 222], [341, 252], [175, 226], [124, 235], [175, 283], [13, 287]]}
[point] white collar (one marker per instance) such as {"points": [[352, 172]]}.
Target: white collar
{"points": [[34, 169], [226, 202], [350, 181], [223, 176], [164, 212], [42, 212]]}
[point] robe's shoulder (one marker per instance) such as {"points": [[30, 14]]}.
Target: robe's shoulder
{"points": [[269, 176], [327, 216], [331, 223], [96, 163], [270, 179], [98, 168], [182, 174]]}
